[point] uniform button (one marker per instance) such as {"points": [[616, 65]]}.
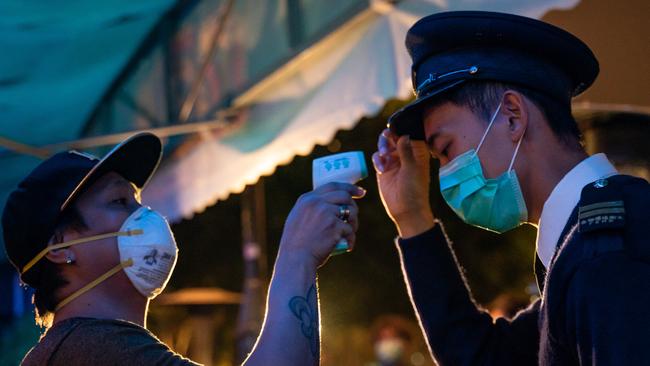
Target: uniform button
{"points": [[600, 183]]}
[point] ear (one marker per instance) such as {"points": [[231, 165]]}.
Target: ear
{"points": [[516, 111], [62, 255]]}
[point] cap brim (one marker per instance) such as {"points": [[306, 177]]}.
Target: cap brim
{"points": [[408, 120], [135, 159]]}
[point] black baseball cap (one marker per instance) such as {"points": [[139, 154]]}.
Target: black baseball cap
{"points": [[451, 48], [32, 210]]}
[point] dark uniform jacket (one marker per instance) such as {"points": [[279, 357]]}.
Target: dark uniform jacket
{"points": [[595, 305]]}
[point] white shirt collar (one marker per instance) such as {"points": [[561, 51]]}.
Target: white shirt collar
{"points": [[564, 198]]}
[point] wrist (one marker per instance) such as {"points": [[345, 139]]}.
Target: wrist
{"points": [[293, 259], [414, 224]]}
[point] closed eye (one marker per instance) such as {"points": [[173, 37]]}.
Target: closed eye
{"points": [[121, 201], [438, 147]]}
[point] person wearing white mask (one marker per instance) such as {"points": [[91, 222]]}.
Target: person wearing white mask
{"points": [[493, 105], [77, 233]]}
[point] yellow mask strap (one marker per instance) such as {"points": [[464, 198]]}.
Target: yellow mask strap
{"points": [[43, 252], [95, 282]]}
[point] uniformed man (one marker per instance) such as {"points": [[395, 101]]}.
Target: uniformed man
{"points": [[494, 106]]}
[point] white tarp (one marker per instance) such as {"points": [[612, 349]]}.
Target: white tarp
{"points": [[349, 74]]}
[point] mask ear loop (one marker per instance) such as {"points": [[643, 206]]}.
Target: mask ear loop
{"points": [[93, 283], [45, 250], [512, 161], [494, 116]]}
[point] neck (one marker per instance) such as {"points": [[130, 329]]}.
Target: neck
{"points": [[106, 301], [550, 166]]}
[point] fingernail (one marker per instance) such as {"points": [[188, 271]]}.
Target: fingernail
{"points": [[362, 191]]}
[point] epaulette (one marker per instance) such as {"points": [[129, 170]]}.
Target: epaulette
{"points": [[601, 206], [615, 212]]}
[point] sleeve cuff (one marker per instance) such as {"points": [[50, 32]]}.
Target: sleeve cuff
{"points": [[435, 231]]}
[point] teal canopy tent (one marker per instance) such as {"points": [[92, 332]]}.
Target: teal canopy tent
{"points": [[235, 87]]}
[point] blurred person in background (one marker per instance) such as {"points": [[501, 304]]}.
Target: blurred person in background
{"points": [[392, 339], [507, 305], [76, 231], [494, 107]]}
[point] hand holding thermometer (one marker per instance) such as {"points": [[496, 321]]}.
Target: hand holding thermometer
{"points": [[348, 167]]}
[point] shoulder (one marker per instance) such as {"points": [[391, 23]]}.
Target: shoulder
{"points": [[610, 244], [50, 342], [103, 342], [613, 219], [96, 330], [627, 189], [616, 208]]}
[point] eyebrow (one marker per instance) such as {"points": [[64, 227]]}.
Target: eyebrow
{"points": [[123, 183], [120, 182]]}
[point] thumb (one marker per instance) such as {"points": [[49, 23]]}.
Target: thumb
{"points": [[405, 151]]}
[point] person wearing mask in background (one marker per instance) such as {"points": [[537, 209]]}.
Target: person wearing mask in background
{"points": [[77, 233], [494, 107], [393, 340]]}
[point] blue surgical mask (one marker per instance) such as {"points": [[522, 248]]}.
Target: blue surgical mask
{"points": [[494, 204]]}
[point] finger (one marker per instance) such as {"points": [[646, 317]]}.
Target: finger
{"points": [[378, 163], [420, 150], [384, 163], [405, 151], [337, 198], [386, 142], [383, 144], [344, 230], [353, 211], [361, 193], [347, 233], [391, 136], [351, 240], [353, 190], [354, 217]]}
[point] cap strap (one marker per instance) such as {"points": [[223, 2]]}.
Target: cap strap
{"points": [[43, 252], [427, 83], [95, 282]]}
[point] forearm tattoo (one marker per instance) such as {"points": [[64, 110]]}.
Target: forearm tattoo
{"points": [[306, 310]]}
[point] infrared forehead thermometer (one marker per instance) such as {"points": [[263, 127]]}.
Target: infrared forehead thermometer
{"points": [[348, 167]]}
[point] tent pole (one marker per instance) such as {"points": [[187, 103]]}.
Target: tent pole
{"points": [[188, 104], [229, 120], [162, 132], [251, 310], [153, 38], [21, 148]]}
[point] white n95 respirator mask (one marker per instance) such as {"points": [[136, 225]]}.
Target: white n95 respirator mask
{"points": [[153, 252]]}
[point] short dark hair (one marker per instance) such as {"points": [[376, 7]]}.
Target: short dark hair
{"points": [[48, 279], [481, 97]]}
